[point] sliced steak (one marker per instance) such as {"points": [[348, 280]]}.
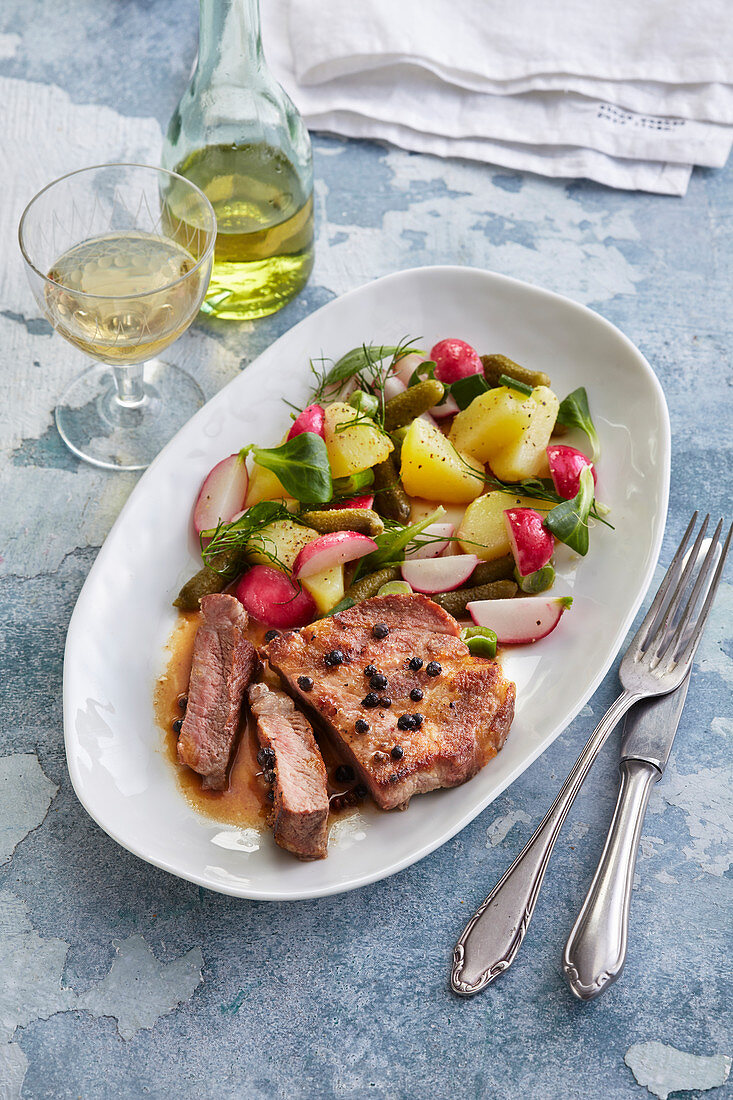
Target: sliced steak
{"points": [[224, 661], [301, 800], [466, 709]]}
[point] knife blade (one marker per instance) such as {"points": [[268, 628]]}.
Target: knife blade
{"points": [[650, 727], [595, 952]]}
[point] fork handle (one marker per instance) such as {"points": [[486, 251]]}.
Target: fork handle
{"points": [[490, 941], [595, 953]]}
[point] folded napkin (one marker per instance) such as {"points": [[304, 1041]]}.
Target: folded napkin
{"points": [[563, 90]]}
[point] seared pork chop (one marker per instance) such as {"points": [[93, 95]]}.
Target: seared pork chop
{"points": [[224, 661], [399, 693], [300, 797]]}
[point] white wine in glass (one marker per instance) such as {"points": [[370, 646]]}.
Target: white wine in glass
{"points": [[121, 278]]}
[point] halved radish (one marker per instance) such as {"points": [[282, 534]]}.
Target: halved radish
{"points": [[455, 359], [440, 532], [565, 465], [222, 493], [405, 367], [393, 386], [432, 575], [336, 548], [271, 597], [310, 420], [531, 543], [520, 621], [365, 501]]}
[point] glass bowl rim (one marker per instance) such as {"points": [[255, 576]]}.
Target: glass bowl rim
{"points": [[204, 258]]}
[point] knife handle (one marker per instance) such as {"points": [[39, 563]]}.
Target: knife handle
{"points": [[595, 953]]}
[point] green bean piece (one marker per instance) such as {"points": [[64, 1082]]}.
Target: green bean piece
{"points": [[498, 570], [363, 520], [212, 578], [416, 400], [455, 602], [395, 588], [365, 403], [481, 640], [539, 581], [390, 499], [496, 365], [368, 586]]}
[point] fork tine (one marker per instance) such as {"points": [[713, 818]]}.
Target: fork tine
{"points": [[673, 604], [642, 634], [673, 640], [685, 657]]}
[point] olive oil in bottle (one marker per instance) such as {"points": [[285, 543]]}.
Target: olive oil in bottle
{"points": [[264, 243], [238, 137]]}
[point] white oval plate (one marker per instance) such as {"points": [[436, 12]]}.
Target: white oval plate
{"points": [[123, 618]]}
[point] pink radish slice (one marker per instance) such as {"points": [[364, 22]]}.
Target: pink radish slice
{"points": [[520, 621], [325, 552], [358, 502], [272, 598], [310, 420], [431, 575], [222, 493], [532, 544], [405, 367], [439, 531], [565, 465], [455, 359], [448, 408], [393, 386]]}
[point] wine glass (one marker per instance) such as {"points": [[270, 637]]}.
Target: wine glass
{"points": [[119, 259]]}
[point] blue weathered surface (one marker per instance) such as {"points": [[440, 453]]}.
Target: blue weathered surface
{"points": [[118, 980]]}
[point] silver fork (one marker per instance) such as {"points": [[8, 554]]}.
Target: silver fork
{"points": [[656, 662]]}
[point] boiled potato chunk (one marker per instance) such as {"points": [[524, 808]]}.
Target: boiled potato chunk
{"points": [[483, 530], [434, 469], [356, 448], [282, 539], [264, 485], [326, 588], [508, 431]]}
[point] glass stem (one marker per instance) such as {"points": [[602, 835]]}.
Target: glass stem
{"points": [[129, 385]]}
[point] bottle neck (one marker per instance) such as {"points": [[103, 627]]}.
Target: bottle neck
{"points": [[229, 37]]}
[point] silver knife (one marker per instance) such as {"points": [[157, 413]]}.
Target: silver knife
{"points": [[595, 953]]}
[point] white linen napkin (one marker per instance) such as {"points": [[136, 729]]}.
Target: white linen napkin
{"points": [[423, 100]]}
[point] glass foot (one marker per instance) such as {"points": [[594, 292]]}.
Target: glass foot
{"points": [[100, 429]]}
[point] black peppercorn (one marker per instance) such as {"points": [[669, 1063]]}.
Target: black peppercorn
{"points": [[270, 796], [269, 776], [265, 757], [272, 634], [418, 719], [378, 681], [405, 722], [334, 657], [305, 683], [433, 668], [415, 663], [397, 752], [183, 701], [370, 700], [370, 670], [380, 630], [385, 701], [416, 695], [361, 726], [177, 725], [343, 774]]}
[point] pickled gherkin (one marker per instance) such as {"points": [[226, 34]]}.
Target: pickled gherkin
{"points": [[214, 577], [390, 499], [368, 586], [456, 602], [496, 365], [416, 400], [363, 520]]}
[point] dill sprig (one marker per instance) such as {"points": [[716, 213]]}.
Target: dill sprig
{"points": [[238, 536]]}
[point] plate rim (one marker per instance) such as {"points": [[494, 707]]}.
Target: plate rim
{"points": [[356, 881]]}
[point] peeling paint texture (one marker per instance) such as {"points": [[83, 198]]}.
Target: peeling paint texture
{"points": [[119, 980], [664, 1069]]}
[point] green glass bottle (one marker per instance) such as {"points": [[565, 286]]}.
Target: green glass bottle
{"points": [[237, 136]]}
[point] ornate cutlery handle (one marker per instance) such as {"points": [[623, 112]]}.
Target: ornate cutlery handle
{"points": [[490, 941], [595, 953]]}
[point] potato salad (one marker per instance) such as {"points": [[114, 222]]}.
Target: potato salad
{"points": [[442, 472]]}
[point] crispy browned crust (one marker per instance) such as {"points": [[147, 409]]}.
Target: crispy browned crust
{"points": [[467, 709]]}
